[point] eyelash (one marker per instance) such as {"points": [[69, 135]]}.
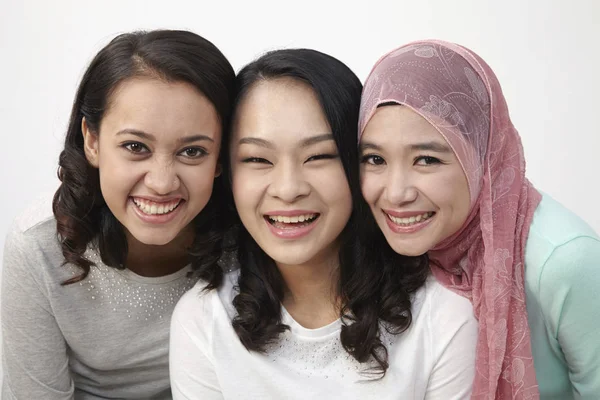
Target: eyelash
{"points": [[201, 152], [370, 159], [316, 157], [257, 160], [128, 146], [429, 160]]}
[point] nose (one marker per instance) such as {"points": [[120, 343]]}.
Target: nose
{"points": [[288, 183], [162, 177], [400, 187]]}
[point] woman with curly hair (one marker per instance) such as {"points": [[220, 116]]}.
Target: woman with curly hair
{"points": [[320, 307], [87, 294]]}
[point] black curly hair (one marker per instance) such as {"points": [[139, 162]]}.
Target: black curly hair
{"points": [[375, 284], [79, 208]]}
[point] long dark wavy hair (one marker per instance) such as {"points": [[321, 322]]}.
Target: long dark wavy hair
{"points": [[376, 283], [79, 208]]}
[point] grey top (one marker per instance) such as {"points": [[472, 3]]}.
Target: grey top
{"points": [[106, 337]]}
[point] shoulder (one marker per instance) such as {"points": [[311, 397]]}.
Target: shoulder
{"points": [[199, 305], [442, 300], [35, 225], [446, 311], [554, 225], [32, 237], [38, 212], [194, 304], [560, 248], [443, 323], [32, 258]]}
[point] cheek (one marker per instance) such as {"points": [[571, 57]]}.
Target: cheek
{"points": [[115, 177], [116, 171], [371, 186], [452, 191], [334, 190], [463, 199], [245, 188], [199, 180]]}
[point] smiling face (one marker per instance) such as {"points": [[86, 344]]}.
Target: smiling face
{"points": [[156, 152], [289, 184], [412, 180]]}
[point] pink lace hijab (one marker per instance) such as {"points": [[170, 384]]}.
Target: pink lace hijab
{"points": [[457, 92]]}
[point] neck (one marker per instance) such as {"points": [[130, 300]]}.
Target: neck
{"points": [[159, 260], [311, 296]]}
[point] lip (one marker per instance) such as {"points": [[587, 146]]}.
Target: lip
{"points": [[404, 214], [156, 219], [289, 213], [407, 229], [292, 233], [159, 200]]}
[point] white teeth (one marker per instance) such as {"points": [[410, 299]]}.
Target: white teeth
{"points": [[152, 208], [411, 220], [292, 220]]}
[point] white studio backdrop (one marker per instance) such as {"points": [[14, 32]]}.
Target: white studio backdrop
{"points": [[545, 53]]}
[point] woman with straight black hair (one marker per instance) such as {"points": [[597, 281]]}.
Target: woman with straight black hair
{"points": [[88, 292], [320, 306]]}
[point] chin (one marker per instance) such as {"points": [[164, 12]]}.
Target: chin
{"points": [[153, 240], [288, 258], [406, 249]]}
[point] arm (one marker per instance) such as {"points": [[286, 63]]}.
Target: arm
{"points": [[35, 363], [570, 296], [192, 372], [454, 339]]}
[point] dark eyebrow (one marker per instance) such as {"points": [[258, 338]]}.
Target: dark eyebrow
{"points": [[431, 146], [305, 143], [257, 142], [367, 145], [147, 136], [316, 139], [426, 146], [138, 133], [194, 138]]}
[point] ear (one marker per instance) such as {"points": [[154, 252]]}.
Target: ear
{"points": [[218, 170], [90, 143]]}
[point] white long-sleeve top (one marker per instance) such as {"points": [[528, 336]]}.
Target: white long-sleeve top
{"points": [[433, 359]]}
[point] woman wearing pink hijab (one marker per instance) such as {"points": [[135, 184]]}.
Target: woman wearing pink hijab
{"points": [[444, 174]]}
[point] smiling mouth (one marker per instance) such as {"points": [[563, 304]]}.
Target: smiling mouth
{"points": [[153, 208], [289, 222], [414, 220]]}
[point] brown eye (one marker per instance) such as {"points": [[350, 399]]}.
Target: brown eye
{"points": [[135, 147], [427, 160], [373, 159], [193, 152]]}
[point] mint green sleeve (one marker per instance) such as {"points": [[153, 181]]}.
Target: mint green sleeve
{"points": [[570, 297]]}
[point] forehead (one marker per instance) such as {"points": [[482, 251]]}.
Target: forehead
{"points": [[446, 83], [156, 106], [396, 124], [282, 109]]}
